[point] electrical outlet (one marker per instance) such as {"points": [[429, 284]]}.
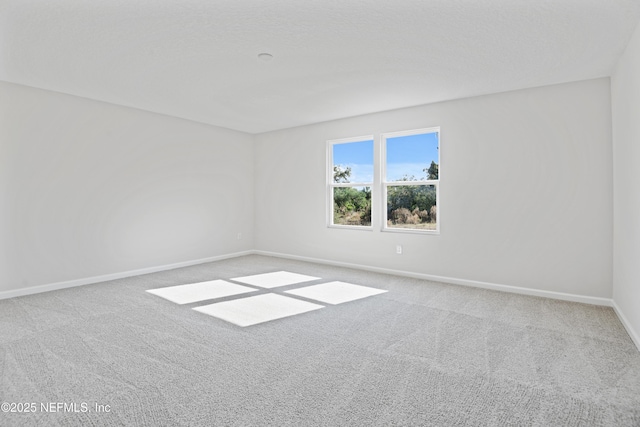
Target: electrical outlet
{"points": [[399, 249]]}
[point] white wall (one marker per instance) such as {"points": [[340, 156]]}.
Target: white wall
{"points": [[625, 93], [525, 191], [89, 189]]}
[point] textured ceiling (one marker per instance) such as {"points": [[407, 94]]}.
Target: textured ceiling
{"points": [[197, 59]]}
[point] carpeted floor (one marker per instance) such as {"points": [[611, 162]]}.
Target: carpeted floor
{"points": [[420, 354]]}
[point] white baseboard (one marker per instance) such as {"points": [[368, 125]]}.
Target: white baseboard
{"points": [[635, 337], [607, 302], [104, 278]]}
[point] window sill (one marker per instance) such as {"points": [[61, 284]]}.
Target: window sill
{"points": [[351, 227], [410, 231]]}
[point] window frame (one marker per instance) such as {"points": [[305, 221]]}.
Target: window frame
{"points": [[384, 184], [331, 184]]}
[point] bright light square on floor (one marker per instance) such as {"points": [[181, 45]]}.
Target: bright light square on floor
{"points": [[273, 280], [336, 292], [185, 294], [258, 309]]}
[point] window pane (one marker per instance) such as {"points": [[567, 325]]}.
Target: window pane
{"points": [[412, 207], [412, 157], [352, 206], [353, 162]]}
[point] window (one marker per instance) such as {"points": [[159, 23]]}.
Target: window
{"points": [[350, 178], [410, 175], [405, 178]]}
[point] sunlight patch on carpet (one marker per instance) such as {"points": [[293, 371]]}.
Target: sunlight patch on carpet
{"points": [[257, 309], [275, 279], [335, 292], [185, 294]]}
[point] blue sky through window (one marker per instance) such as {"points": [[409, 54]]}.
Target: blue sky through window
{"points": [[358, 156], [406, 155], [410, 155]]}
